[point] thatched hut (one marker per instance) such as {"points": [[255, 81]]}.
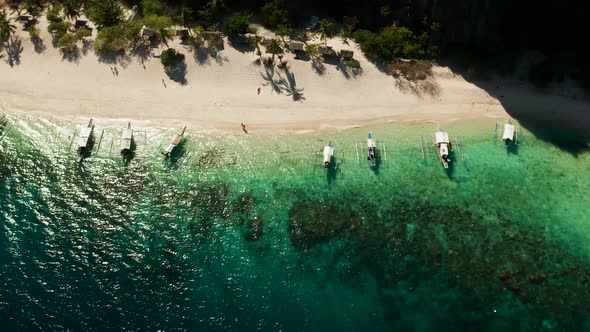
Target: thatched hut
{"points": [[327, 51], [346, 55]]}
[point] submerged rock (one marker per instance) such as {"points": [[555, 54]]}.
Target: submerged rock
{"points": [[311, 222], [255, 229]]}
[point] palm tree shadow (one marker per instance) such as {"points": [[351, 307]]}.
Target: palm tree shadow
{"points": [[290, 86], [269, 77], [14, 50]]}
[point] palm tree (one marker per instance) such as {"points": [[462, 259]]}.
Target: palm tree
{"points": [[274, 48], [325, 30], [350, 23], [255, 41], [283, 31], [6, 28]]}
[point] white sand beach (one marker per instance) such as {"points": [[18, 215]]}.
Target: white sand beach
{"points": [[221, 92]]}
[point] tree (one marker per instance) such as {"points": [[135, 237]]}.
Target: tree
{"points": [[6, 28], [161, 24], [105, 13], [34, 8], [312, 50], [325, 30], [112, 39], [256, 41], [273, 15], [212, 10], [34, 32], [72, 9], [67, 43], [350, 23], [58, 29], [53, 14], [274, 48], [283, 31], [237, 24], [171, 58], [151, 7], [391, 43]]}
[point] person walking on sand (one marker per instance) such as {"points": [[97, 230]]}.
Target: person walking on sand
{"points": [[244, 128], [259, 89], [164, 83]]}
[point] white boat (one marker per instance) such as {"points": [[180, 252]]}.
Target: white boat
{"points": [[176, 138], [85, 136], [443, 145], [508, 136], [328, 154], [126, 139], [372, 150]]}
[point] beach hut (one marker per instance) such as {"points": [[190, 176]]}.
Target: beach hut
{"points": [[443, 145], [126, 139], [346, 55], [81, 24], [176, 138], [297, 48], [24, 18], [85, 137], [508, 136]]}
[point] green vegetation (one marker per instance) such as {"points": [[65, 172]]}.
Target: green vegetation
{"points": [[53, 14], [33, 8], [391, 43], [34, 32], [171, 58], [105, 13], [72, 8], [273, 15], [67, 43], [352, 63], [58, 29], [6, 28], [256, 41], [350, 23], [541, 74], [151, 7], [313, 50], [237, 24], [274, 48], [412, 70], [115, 38], [325, 30]]}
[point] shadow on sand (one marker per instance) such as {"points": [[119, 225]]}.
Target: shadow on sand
{"points": [[559, 120], [177, 73], [14, 50], [282, 83]]}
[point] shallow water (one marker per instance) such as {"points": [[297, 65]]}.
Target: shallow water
{"points": [[241, 232]]}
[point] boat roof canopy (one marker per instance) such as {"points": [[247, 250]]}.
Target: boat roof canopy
{"points": [[441, 137], [508, 132]]}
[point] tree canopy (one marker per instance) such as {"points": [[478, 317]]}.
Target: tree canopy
{"points": [[171, 58], [391, 43], [273, 15], [105, 13], [237, 24]]}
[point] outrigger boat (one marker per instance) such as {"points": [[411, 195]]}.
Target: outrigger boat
{"points": [[85, 137], [443, 145], [176, 138], [509, 134], [328, 155], [126, 141], [372, 150]]}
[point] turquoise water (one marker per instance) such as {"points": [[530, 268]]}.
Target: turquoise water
{"points": [[249, 232]]}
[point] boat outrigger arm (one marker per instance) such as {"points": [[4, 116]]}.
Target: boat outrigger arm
{"points": [[443, 145], [328, 154], [371, 150]]}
